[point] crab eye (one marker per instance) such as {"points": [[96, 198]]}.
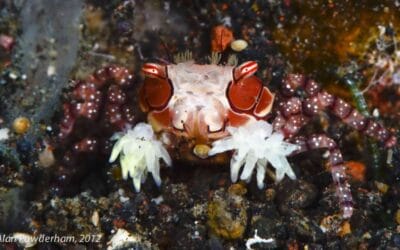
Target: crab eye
{"points": [[245, 70], [154, 70]]}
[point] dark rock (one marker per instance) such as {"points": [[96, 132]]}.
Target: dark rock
{"points": [[13, 204], [270, 228], [305, 229], [381, 239], [314, 246], [295, 195], [396, 240], [214, 244], [334, 244], [24, 149], [267, 228]]}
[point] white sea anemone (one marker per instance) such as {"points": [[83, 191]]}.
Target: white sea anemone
{"points": [[4, 134], [255, 145], [140, 152]]}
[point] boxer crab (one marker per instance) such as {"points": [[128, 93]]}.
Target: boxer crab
{"points": [[227, 108]]}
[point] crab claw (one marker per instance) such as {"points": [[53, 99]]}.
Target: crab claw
{"points": [[157, 89], [139, 152], [246, 94], [255, 144]]}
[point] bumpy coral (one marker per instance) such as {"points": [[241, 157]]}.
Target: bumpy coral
{"points": [[102, 96], [95, 108], [139, 152], [256, 144]]}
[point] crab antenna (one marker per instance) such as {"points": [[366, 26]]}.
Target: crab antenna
{"points": [[183, 57], [215, 58], [232, 60]]}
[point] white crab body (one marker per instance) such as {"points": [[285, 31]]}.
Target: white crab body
{"points": [[199, 100]]}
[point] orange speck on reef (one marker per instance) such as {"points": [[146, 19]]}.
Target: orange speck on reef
{"points": [[119, 223], [21, 125], [345, 229], [397, 216], [221, 37], [356, 170], [292, 245]]}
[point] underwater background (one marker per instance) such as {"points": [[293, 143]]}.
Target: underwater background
{"points": [[55, 137]]}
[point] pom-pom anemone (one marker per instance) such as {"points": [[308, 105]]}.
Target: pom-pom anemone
{"points": [[256, 144], [140, 152]]}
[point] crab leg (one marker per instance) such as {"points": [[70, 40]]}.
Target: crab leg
{"points": [[337, 167], [293, 114], [290, 120], [289, 117]]}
